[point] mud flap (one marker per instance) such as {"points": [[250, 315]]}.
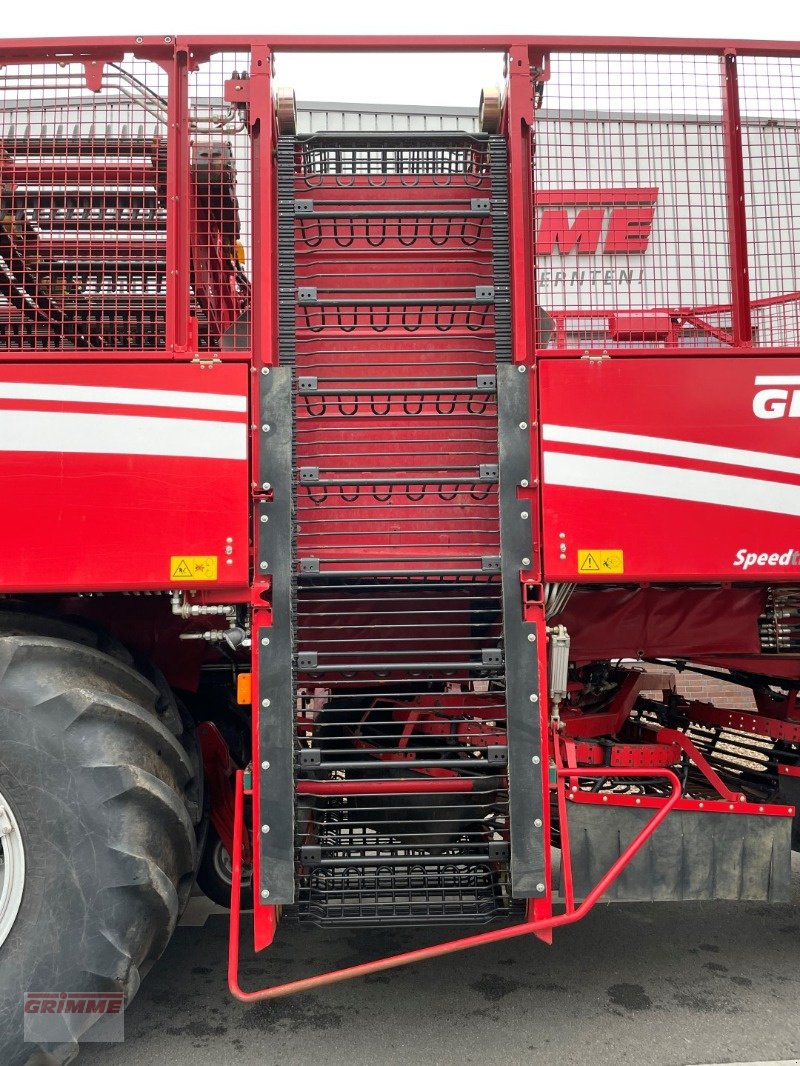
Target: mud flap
{"points": [[693, 855]]}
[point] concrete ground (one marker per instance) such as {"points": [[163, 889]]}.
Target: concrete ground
{"points": [[662, 985]]}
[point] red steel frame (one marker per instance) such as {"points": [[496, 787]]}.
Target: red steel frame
{"points": [[178, 56]]}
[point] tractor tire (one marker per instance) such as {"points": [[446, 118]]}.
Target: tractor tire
{"points": [[215, 874], [103, 800]]}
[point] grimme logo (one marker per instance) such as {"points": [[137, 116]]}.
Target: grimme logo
{"points": [[613, 221], [781, 399], [60, 1016], [593, 222]]}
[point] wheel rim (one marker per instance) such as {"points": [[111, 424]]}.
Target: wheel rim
{"points": [[12, 869], [223, 866]]}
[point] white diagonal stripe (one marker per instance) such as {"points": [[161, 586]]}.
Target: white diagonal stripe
{"points": [[682, 449], [670, 482], [57, 431], [199, 401]]}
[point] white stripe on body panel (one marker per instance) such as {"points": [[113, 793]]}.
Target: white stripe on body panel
{"points": [[670, 482], [58, 431], [112, 394], [682, 449]]}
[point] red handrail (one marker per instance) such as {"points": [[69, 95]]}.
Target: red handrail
{"points": [[407, 958]]}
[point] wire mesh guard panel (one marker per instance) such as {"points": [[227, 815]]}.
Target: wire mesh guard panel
{"points": [[85, 213], [769, 90], [83, 207], [630, 197], [220, 221]]}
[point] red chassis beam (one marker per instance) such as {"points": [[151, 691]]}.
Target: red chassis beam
{"points": [[81, 47], [537, 926]]}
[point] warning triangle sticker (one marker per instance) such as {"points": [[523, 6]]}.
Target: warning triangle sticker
{"points": [[182, 571], [589, 563]]}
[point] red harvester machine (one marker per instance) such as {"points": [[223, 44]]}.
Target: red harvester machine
{"points": [[364, 493]]}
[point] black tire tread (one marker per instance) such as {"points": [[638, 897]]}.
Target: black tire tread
{"points": [[118, 734]]}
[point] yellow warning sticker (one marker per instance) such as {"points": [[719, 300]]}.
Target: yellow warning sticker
{"points": [[193, 567], [601, 561]]}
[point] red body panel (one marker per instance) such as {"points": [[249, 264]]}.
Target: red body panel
{"points": [[681, 466], [119, 469]]}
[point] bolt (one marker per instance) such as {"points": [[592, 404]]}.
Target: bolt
{"points": [[540, 887], [265, 703], [523, 514], [534, 698], [265, 893], [229, 562], [264, 566], [563, 536], [266, 427], [264, 518], [264, 828], [521, 369], [229, 540], [523, 425], [605, 799], [638, 800], [537, 822], [526, 562], [266, 486], [265, 641], [536, 760], [229, 550], [531, 638], [524, 483], [264, 369], [138, 40], [265, 765]]}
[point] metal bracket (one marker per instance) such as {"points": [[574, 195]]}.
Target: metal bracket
{"points": [[307, 295], [303, 207], [484, 293], [492, 656], [490, 564], [307, 660], [488, 471], [523, 692], [309, 474], [307, 384], [481, 207], [497, 755], [309, 565], [487, 382], [274, 644]]}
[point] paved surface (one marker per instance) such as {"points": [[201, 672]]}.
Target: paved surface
{"points": [[662, 985]]}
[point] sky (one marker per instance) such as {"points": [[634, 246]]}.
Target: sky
{"points": [[442, 80]]}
